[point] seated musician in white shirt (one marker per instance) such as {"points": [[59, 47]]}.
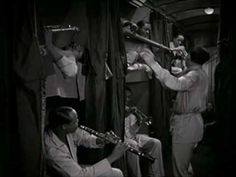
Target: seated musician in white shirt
{"points": [[142, 142], [62, 137]]}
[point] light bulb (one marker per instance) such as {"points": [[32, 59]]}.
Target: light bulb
{"points": [[209, 10]]}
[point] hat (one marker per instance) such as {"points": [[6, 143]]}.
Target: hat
{"points": [[199, 55]]}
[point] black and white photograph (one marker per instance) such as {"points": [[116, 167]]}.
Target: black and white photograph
{"points": [[117, 88]]}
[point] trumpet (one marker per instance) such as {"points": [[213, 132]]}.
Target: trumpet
{"points": [[60, 28], [134, 35], [114, 140], [140, 115]]}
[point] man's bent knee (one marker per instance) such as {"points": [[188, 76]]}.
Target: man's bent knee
{"points": [[116, 173]]}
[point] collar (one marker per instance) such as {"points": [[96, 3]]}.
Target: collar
{"points": [[55, 139], [56, 142]]}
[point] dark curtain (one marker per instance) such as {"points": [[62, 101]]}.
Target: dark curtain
{"points": [[24, 70], [105, 97], [6, 93], [23, 99], [160, 97], [225, 92], [115, 85], [97, 13]]}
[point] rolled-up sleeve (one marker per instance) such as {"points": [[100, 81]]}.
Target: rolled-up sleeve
{"points": [[182, 83], [84, 138], [67, 65]]}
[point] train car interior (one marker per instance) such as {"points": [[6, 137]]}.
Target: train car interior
{"points": [[150, 80]]}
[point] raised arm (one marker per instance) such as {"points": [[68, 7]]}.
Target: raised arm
{"points": [[50, 47], [180, 84], [65, 60]]}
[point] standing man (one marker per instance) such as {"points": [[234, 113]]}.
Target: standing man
{"points": [[186, 125], [62, 137]]}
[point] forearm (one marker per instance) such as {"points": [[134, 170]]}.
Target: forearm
{"points": [[174, 83], [159, 72], [53, 50], [167, 79], [111, 159]]}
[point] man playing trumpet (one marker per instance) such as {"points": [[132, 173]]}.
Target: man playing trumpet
{"points": [[144, 143]]}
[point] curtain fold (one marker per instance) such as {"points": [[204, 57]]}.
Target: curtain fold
{"points": [[28, 71], [105, 97], [225, 91], [97, 50], [95, 116], [160, 97], [7, 132], [115, 85], [209, 68]]}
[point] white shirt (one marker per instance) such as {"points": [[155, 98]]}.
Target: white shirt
{"points": [[64, 159], [131, 126], [186, 122], [72, 86]]}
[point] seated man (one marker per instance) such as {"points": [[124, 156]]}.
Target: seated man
{"points": [[62, 137], [143, 143]]}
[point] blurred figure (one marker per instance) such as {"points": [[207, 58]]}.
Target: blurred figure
{"points": [[144, 28], [143, 143], [134, 47], [180, 55]]}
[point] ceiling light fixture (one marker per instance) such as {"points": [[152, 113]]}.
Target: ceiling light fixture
{"points": [[209, 10]]}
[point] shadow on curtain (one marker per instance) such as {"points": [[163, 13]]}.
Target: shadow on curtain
{"points": [[161, 97], [26, 158], [225, 92], [105, 96]]}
